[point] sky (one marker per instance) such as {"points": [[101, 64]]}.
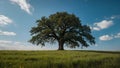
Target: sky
{"points": [[18, 16]]}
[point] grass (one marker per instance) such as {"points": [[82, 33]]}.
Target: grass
{"points": [[59, 59]]}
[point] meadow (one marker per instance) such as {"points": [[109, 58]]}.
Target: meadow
{"points": [[59, 59]]}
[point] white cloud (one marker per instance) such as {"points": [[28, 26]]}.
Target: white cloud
{"points": [[109, 37], [96, 28], [24, 5], [5, 42], [4, 20], [117, 36], [103, 24], [105, 37], [6, 33], [112, 17], [115, 17], [13, 45]]}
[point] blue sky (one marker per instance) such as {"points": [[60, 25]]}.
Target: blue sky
{"points": [[18, 16]]}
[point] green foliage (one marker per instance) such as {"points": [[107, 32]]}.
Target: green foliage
{"points": [[59, 59], [64, 28]]}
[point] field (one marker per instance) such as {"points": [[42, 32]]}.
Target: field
{"points": [[59, 59]]}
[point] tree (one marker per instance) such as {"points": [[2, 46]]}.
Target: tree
{"points": [[64, 28]]}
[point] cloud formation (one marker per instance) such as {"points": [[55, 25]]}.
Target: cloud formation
{"points": [[105, 37], [4, 20], [102, 25], [115, 17], [5, 42], [24, 5], [6, 33], [117, 36], [109, 37], [13, 45]]}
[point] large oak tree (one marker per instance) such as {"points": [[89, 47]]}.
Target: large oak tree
{"points": [[64, 28]]}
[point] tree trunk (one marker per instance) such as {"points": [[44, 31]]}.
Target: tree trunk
{"points": [[61, 45]]}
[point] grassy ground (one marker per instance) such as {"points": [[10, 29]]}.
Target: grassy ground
{"points": [[59, 59]]}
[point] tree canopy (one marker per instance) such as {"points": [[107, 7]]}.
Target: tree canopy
{"points": [[64, 28]]}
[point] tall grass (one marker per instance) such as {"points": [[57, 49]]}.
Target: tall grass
{"points": [[59, 59]]}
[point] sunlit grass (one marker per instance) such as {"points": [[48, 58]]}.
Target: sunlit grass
{"points": [[59, 59]]}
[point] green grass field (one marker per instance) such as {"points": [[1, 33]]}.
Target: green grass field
{"points": [[59, 59]]}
